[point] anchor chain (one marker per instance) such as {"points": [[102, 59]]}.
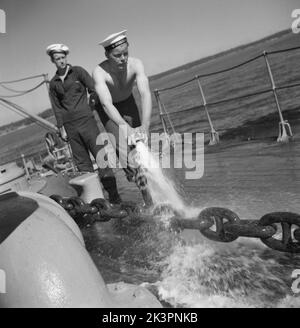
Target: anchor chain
{"points": [[83, 214], [286, 220], [265, 229], [215, 223]]}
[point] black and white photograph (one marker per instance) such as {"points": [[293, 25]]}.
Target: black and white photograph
{"points": [[149, 156]]}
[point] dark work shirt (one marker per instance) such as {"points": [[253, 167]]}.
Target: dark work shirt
{"points": [[69, 98]]}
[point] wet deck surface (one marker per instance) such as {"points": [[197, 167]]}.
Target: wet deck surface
{"points": [[251, 178]]}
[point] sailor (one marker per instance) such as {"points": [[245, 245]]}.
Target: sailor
{"points": [[114, 80], [75, 120]]}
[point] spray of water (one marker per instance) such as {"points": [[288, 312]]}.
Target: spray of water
{"points": [[202, 274], [160, 186]]}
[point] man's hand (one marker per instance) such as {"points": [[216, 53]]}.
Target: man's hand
{"points": [[63, 134], [138, 134]]}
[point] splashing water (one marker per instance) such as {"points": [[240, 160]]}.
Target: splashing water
{"points": [[199, 273], [204, 276], [161, 187]]}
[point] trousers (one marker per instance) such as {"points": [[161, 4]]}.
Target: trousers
{"points": [[82, 136]]}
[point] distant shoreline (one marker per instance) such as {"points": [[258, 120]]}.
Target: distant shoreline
{"points": [[12, 130], [14, 126], [218, 55]]}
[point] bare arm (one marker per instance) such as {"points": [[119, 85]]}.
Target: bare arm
{"points": [[145, 93]]}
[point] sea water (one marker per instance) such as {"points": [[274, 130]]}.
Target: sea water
{"points": [[198, 273], [188, 270]]}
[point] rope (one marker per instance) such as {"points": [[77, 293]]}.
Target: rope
{"points": [[233, 98], [177, 85], [213, 73], [229, 68], [12, 90], [197, 77], [240, 97], [23, 79], [184, 110], [281, 50], [23, 93], [223, 101], [288, 86]]}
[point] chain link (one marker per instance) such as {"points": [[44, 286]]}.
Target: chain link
{"points": [[250, 228], [297, 234], [287, 243], [85, 214], [218, 215], [216, 223], [264, 229]]}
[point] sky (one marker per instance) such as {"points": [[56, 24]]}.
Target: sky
{"points": [[163, 33]]}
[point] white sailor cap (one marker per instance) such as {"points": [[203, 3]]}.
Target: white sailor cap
{"points": [[114, 40], [57, 47]]}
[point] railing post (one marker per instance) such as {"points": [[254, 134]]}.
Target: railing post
{"points": [[161, 114], [285, 131], [214, 135], [70, 158], [25, 167]]}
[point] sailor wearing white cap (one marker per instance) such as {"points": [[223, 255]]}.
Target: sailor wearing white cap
{"points": [[114, 80], [114, 40], [58, 53], [68, 94], [57, 48]]}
